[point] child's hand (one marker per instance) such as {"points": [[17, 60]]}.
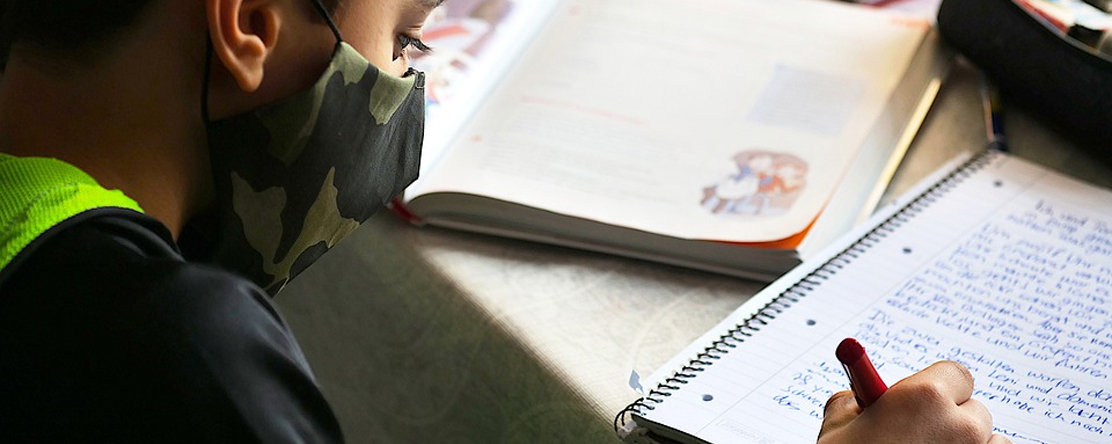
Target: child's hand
{"points": [[932, 406]]}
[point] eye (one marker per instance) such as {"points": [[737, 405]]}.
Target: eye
{"points": [[406, 42]]}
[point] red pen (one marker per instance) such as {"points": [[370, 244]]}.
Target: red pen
{"points": [[863, 378]]}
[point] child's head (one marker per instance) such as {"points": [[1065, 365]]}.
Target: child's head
{"points": [[245, 115], [287, 39]]}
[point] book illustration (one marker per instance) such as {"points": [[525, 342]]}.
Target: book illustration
{"points": [[459, 32], [766, 183]]}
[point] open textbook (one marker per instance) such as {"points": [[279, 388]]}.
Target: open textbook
{"points": [[737, 136], [999, 264]]}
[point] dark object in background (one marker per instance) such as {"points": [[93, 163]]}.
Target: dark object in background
{"points": [[1090, 37], [1035, 66], [1103, 5]]}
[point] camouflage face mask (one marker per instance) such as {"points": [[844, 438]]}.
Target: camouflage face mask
{"points": [[294, 178]]}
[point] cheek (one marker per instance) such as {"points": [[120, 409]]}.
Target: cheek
{"points": [[379, 49], [389, 66], [398, 67]]}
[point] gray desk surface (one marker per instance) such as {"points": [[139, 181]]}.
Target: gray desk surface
{"points": [[430, 336]]}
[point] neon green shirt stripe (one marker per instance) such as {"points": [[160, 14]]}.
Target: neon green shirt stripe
{"points": [[38, 193]]}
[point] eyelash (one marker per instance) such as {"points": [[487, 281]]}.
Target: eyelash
{"points": [[406, 41]]}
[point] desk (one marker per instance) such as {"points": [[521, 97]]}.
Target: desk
{"points": [[433, 336]]}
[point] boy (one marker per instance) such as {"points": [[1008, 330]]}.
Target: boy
{"points": [[248, 136]]}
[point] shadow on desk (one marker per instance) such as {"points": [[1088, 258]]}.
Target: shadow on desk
{"points": [[428, 336]]}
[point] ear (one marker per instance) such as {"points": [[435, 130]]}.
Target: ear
{"points": [[243, 34]]}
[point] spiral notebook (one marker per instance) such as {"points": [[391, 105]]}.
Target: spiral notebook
{"points": [[994, 262]]}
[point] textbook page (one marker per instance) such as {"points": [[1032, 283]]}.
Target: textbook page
{"points": [[1008, 273], [727, 120], [474, 42]]}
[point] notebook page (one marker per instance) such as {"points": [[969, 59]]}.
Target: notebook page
{"points": [[1007, 273]]}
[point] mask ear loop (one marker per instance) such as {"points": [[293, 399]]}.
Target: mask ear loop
{"points": [[328, 18]]}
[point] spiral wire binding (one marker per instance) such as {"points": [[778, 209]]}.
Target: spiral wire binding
{"points": [[801, 289]]}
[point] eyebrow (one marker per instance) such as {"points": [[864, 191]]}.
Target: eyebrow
{"points": [[430, 3]]}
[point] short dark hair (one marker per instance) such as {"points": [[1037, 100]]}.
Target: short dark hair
{"points": [[64, 24], [71, 25]]}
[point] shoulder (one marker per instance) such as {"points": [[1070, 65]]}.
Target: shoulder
{"points": [[119, 265], [117, 332]]}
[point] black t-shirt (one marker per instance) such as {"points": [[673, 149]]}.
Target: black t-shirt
{"points": [[108, 335]]}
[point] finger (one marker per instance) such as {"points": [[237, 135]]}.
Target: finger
{"points": [[999, 439], [950, 379], [979, 418], [841, 408]]}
